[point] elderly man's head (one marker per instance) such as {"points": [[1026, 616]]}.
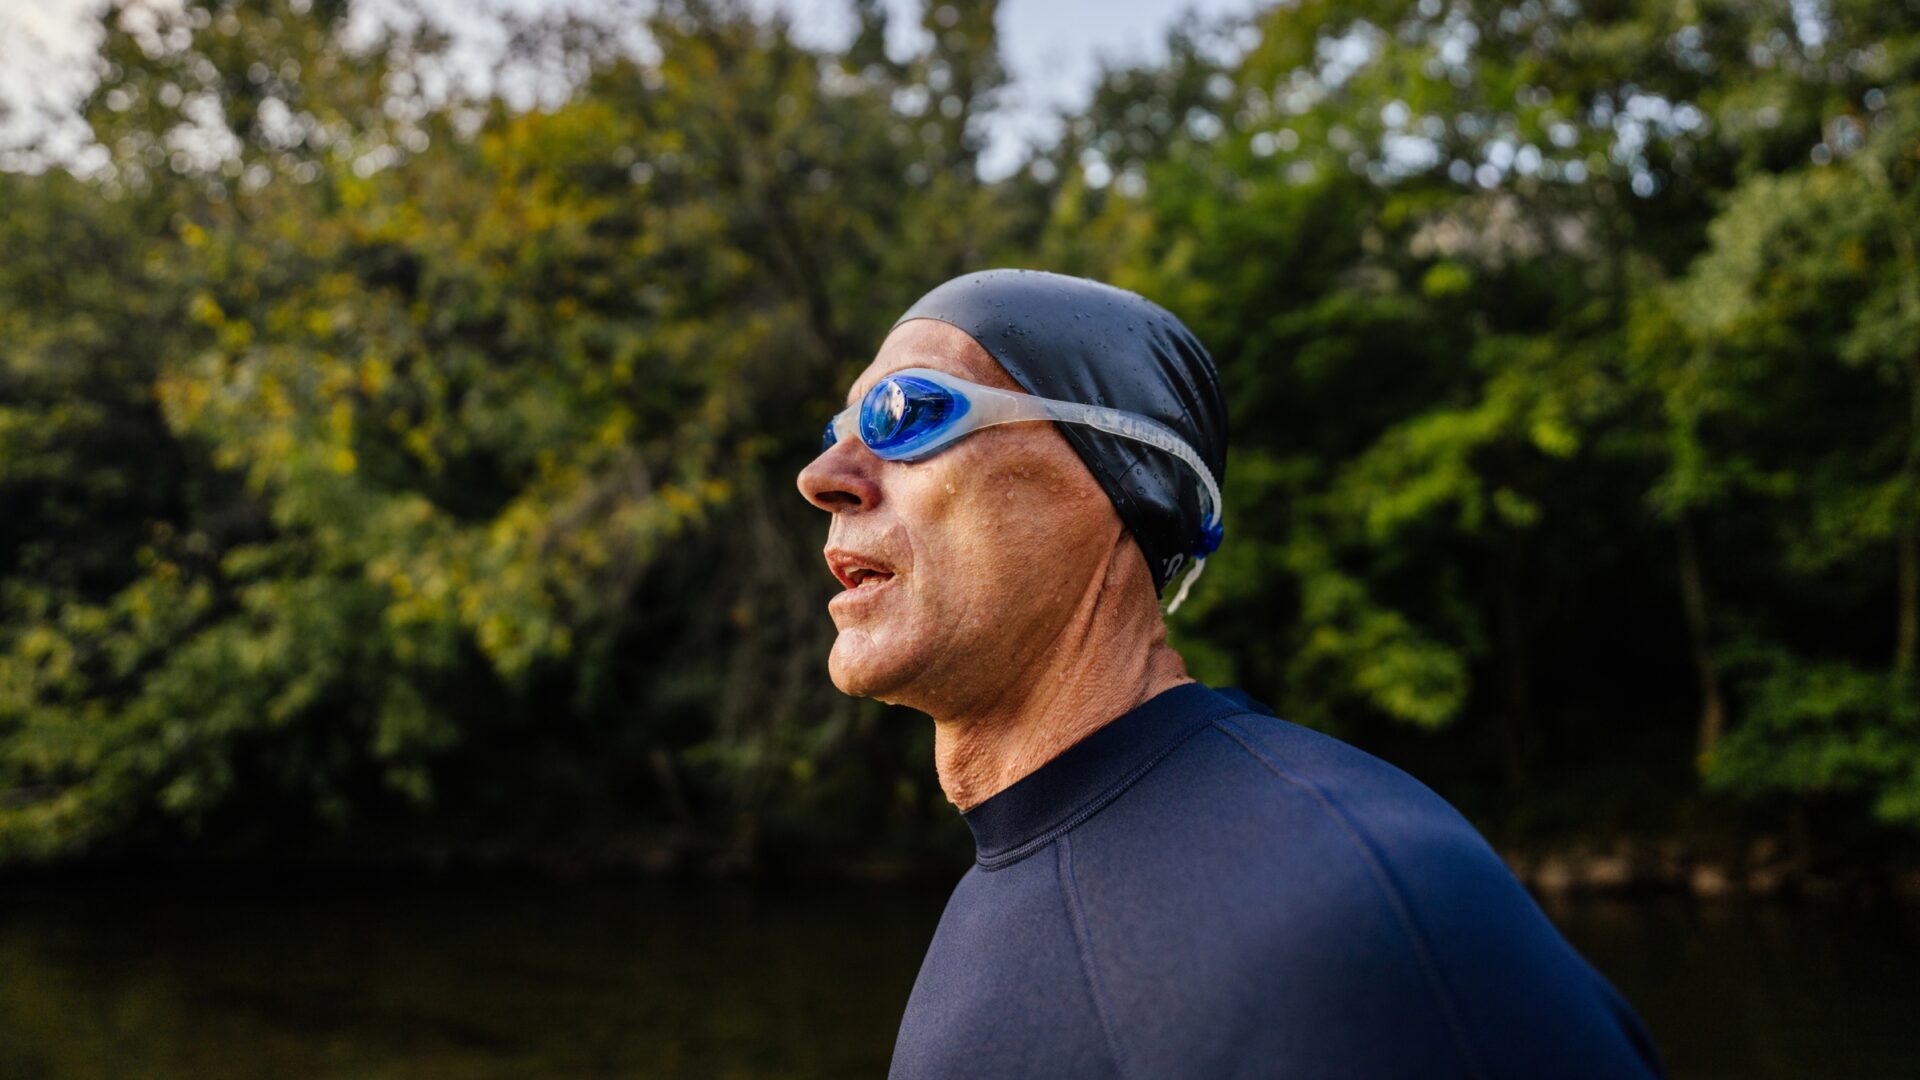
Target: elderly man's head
{"points": [[967, 562], [1019, 543]]}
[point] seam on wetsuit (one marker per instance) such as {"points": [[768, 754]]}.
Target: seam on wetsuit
{"points": [[1376, 866], [1083, 938], [1094, 805]]}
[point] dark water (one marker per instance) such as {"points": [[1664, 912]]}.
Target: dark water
{"points": [[492, 980]]}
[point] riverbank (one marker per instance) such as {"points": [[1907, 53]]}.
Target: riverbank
{"points": [[1766, 868], [1705, 865]]}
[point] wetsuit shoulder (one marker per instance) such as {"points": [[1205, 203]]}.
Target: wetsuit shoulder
{"points": [[1314, 905]]}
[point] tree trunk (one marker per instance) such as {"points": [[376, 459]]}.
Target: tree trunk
{"points": [[1693, 595], [1519, 692], [1909, 635], [1907, 629]]}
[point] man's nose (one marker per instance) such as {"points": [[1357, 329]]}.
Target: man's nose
{"points": [[841, 478]]}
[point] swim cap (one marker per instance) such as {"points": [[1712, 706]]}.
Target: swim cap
{"points": [[1078, 340]]}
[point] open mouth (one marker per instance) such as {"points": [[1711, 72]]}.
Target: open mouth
{"points": [[866, 578], [857, 573]]}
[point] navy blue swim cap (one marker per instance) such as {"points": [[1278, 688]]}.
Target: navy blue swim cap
{"points": [[1073, 339]]}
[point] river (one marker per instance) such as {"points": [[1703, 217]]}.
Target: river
{"points": [[484, 978]]}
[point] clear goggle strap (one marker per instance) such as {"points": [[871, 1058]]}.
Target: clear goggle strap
{"points": [[1158, 435], [1186, 583], [1142, 429]]}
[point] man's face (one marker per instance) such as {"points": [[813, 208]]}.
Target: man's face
{"points": [[960, 569]]}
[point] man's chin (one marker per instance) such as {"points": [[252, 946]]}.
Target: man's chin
{"points": [[860, 667]]}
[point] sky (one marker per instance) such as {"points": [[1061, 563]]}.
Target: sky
{"points": [[1053, 50]]}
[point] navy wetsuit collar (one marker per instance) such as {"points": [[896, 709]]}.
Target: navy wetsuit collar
{"points": [[1089, 774]]}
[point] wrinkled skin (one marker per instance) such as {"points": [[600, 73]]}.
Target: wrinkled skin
{"points": [[1020, 614]]}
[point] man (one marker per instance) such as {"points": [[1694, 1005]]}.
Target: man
{"points": [[1169, 880]]}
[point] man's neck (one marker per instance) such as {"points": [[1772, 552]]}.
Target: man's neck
{"points": [[1109, 658]]}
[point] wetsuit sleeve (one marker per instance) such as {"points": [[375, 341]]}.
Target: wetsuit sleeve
{"points": [[1525, 1001], [1424, 895]]}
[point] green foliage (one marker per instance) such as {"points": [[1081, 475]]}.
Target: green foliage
{"points": [[1824, 728], [384, 461], [1486, 366]]}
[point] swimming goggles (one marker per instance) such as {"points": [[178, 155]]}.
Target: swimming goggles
{"points": [[917, 412]]}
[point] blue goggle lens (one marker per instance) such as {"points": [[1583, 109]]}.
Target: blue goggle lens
{"points": [[828, 438], [902, 412]]}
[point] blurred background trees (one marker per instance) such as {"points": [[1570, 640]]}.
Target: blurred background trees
{"points": [[390, 472]]}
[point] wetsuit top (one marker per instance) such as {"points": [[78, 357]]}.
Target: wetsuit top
{"points": [[1200, 889]]}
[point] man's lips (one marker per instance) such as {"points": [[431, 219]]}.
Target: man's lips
{"points": [[856, 570]]}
